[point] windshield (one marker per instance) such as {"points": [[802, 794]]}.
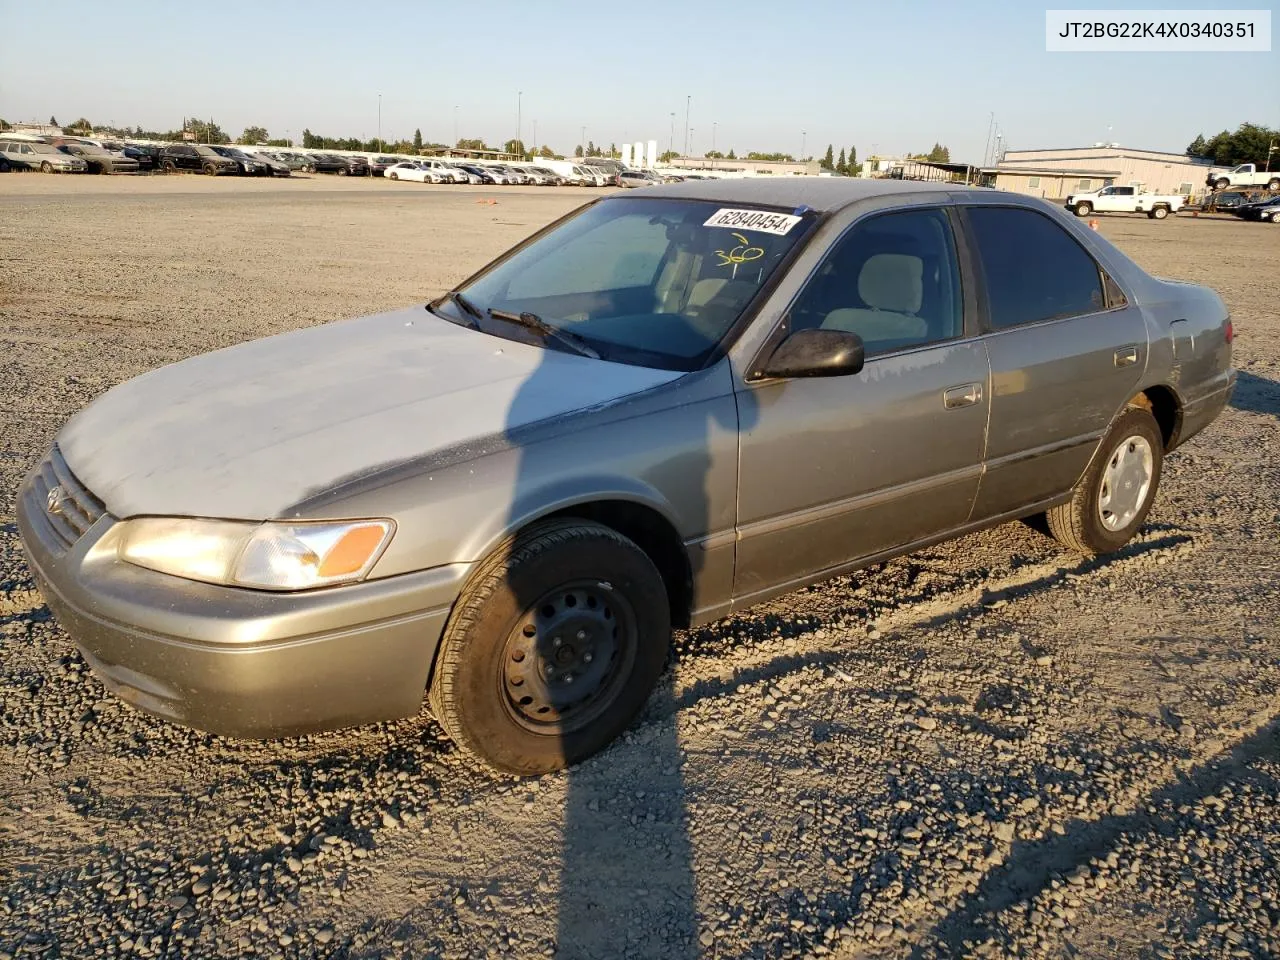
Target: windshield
{"points": [[653, 282], [207, 151]]}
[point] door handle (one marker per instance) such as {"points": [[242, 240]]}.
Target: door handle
{"points": [[965, 395], [1127, 356]]}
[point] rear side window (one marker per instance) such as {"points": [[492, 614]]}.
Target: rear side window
{"points": [[1034, 269]]}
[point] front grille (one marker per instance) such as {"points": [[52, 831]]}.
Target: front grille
{"points": [[73, 509]]}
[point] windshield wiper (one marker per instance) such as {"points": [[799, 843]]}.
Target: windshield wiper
{"points": [[537, 324], [469, 308]]}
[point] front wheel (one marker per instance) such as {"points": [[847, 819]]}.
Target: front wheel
{"points": [[168, 166], [393, 176], [343, 172], [1273, 183], [1222, 184], [46, 167], [1112, 501], [552, 649], [211, 170], [1083, 209]]}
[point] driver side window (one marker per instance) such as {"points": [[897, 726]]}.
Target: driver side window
{"points": [[892, 279]]}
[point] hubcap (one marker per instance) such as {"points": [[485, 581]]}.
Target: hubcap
{"points": [[1126, 481], [567, 656]]}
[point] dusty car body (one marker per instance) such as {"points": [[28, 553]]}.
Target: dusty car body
{"points": [[766, 385]]}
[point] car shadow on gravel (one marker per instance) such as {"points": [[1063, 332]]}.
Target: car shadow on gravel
{"points": [[1256, 394], [1032, 864]]}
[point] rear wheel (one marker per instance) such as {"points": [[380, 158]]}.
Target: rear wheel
{"points": [[1274, 183], [1223, 183], [1083, 209], [1112, 501], [1159, 213], [552, 649]]}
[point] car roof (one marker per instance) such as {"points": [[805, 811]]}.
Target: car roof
{"points": [[823, 194]]}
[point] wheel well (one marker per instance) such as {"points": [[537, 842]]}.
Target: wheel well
{"points": [[1164, 406], [653, 534]]}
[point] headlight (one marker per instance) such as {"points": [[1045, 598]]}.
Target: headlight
{"points": [[267, 556]]}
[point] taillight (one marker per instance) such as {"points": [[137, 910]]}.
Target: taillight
{"points": [[1229, 331]]}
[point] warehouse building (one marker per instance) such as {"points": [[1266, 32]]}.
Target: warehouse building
{"points": [[1054, 174]]}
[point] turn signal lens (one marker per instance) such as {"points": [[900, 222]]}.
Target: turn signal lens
{"points": [[1230, 331]]}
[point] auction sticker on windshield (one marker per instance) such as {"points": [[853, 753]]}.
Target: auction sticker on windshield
{"points": [[761, 220]]}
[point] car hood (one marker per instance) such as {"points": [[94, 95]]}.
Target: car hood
{"points": [[252, 430]]}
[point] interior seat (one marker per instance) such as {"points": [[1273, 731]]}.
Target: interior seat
{"points": [[891, 285]]}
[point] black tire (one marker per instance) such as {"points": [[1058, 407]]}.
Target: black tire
{"points": [[46, 167], [168, 166], [482, 657], [1078, 523], [1273, 183], [210, 170], [1159, 213], [1083, 209], [344, 172], [1222, 184], [393, 175], [104, 168]]}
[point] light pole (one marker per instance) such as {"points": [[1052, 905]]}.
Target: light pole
{"points": [[671, 143], [692, 131], [687, 101], [803, 134], [534, 147], [455, 125], [714, 124], [519, 102], [583, 141], [379, 121]]}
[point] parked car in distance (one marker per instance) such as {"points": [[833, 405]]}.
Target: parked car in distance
{"points": [[98, 159], [148, 157], [406, 170], [1226, 201], [507, 499], [1244, 175], [480, 173], [296, 162], [329, 163], [275, 168], [46, 158], [635, 178], [379, 165], [248, 166], [1126, 199], [196, 157], [499, 174], [1268, 211]]}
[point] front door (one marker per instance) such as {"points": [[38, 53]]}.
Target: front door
{"points": [[1066, 349], [837, 469]]}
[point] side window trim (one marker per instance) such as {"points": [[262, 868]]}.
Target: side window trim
{"points": [[971, 320], [1113, 296]]}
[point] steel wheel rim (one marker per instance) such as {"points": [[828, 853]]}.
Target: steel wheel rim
{"points": [[568, 656], [1126, 482]]}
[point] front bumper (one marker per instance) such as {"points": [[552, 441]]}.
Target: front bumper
{"points": [[236, 662]]}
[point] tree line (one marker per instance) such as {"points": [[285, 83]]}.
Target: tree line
{"points": [[1249, 143]]}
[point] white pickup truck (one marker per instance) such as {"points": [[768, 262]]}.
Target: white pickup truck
{"points": [[1245, 175], [1124, 200]]}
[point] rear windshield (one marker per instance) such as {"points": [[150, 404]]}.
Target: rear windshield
{"points": [[648, 281]]}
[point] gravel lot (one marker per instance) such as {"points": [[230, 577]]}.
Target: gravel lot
{"points": [[991, 748]]}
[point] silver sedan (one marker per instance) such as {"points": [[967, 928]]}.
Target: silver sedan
{"points": [[672, 404]]}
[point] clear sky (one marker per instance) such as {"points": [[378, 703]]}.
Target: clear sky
{"points": [[769, 74]]}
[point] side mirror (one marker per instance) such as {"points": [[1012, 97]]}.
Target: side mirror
{"points": [[816, 353]]}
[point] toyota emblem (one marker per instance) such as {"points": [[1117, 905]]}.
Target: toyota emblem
{"points": [[57, 496]]}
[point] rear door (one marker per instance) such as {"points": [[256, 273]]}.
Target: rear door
{"points": [[1067, 349]]}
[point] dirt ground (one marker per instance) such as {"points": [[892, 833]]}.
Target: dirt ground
{"points": [[990, 748]]}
